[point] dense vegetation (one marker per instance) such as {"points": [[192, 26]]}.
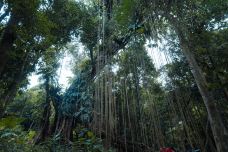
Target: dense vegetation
{"points": [[152, 74]]}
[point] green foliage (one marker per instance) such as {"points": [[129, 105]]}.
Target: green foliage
{"points": [[77, 101], [89, 34], [87, 141], [16, 140], [10, 122], [42, 29], [124, 13], [13, 137], [28, 105]]}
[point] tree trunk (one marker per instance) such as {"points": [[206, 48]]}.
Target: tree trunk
{"points": [[8, 95], [65, 129], [56, 119], [44, 124], [46, 115], [6, 43], [137, 95], [218, 128], [2, 110]]}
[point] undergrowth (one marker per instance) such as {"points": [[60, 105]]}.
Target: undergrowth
{"points": [[13, 138]]}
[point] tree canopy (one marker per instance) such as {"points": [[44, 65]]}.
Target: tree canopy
{"points": [[149, 75]]}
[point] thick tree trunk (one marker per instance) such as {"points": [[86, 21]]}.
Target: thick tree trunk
{"points": [[6, 43], [219, 131], [8, 95], [65, 129]]}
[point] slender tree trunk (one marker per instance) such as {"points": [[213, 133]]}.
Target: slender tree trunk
{"points": [[54, 125], [2, 110], [44, 130], [56, 118], [218, 128], [137, 94]]}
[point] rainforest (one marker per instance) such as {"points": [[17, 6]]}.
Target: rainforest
{"points": [[113, 76]]}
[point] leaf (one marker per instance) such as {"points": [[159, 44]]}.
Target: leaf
{"points": [[125, 11], [8, 134], [31, 135], [90, 134], [140, 30], [10, 122]]}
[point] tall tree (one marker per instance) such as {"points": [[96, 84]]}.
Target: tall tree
{"points": [[55, 24]]}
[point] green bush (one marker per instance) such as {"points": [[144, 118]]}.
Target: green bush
{"points": [[13, 138]]}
